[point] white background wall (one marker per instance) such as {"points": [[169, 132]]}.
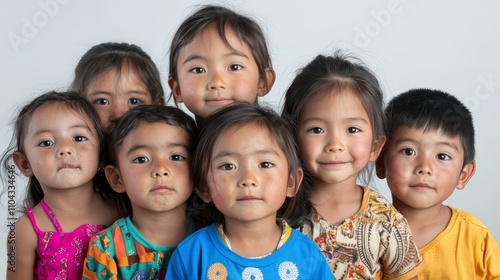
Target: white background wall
{"points": [[449, 45]]}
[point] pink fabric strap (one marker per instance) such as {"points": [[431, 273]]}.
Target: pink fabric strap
{"points": [[51, 217]]}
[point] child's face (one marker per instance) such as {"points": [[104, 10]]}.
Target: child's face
{"points": [[153, 168], [211, 75], [423, 167], [113, 93], [336, 137], [61, 148], [248, 176]]}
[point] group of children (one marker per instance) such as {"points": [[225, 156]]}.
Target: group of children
{"points": [[123, 187]]}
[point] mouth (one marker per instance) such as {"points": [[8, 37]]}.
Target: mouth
{"points": [[161, 189], [219, 101], [67, 166], [333, 164], [421, 186], [248, 198]]}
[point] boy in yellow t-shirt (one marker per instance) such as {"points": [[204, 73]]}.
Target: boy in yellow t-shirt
{"points": [[429, 153]]}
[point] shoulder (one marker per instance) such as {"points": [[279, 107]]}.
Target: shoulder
{"points": [[198, 238], [465, 219], [378, 208], [24, 230], [110, 231]]}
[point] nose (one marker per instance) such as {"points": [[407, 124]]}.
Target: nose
{"points": [[65, 148], [334, 143], [424, 166], [216, 80], [247, 178], [160, 170], [117, 110]]}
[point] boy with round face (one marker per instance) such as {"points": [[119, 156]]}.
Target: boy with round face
{"points": [[430, 153]]}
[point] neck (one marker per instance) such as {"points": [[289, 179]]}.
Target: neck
{"points": [[162, 228], [253, 239], [425, 224]]}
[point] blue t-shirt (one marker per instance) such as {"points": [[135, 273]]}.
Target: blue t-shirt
{"points": [[204, 255]]}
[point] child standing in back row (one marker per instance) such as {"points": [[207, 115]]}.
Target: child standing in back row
{"points": [[246, 165], [430, 153], [336, 107], [150, 154], [57, 139], [116, 77], [217, 57]]}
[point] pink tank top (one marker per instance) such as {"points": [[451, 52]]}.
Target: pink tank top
{"points": [[60, 255]]}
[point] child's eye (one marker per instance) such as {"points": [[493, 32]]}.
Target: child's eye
{"points": [[45, 143], [266, 164], [134, 101], [102, 102], [316, 130], [352, 130], [235, 67], [177, 158], [80, 138], [443, 157], [197, 70], [227, 166], [408, 152], [140, 160]]}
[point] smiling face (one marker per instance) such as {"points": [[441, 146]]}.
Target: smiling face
{"points": [[248, 178], [61, 148], [211, 75], [153, 168], [336, 137], [424, 167], [114, 92]]}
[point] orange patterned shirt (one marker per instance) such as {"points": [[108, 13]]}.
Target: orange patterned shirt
{"points": [[374, 243]]}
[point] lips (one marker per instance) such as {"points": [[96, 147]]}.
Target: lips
{"points": [[248, 198], [162, 189], [422, 186], [219, 101], [67, 166]]}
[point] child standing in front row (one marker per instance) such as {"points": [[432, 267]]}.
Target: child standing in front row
{"points": [[116, 77], [57, 140], [150, 153], [246, 165], [336, 106], [218, 57], [429, 153]]}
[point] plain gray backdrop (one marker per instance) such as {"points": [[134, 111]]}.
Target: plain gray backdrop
{"points": [[448, 45]]}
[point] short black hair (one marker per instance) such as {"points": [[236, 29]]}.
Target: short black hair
{"points": [[430, 109]]}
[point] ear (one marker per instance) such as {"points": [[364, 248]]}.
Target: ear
{"points": [[21, 161], [293, 184], [265, 85], [204, 194], [176, 90], [467, 171], [380, 167], [377, 146], [114, 178], [160, 101]]}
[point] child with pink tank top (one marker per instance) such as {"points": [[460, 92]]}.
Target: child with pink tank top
{"points": [[57, 142]]}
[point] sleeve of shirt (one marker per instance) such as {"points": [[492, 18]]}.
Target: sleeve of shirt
{"points": [[175, 269], [401, 259], [98, 264], [491, 257]]}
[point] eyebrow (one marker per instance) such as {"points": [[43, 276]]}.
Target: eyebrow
{"points": [[149, 147], [347, 119], [228, 154], [86, 127], [441, 143], [194, 56], [134, 91]]}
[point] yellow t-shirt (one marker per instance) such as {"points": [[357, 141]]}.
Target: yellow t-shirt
{"points": [[466, 249]]}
